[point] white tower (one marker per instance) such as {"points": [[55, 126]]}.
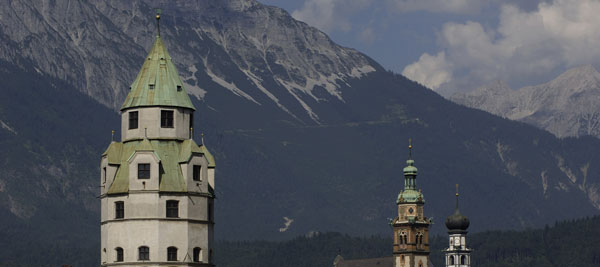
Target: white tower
{"points": [[157, 185], [457, 253]]}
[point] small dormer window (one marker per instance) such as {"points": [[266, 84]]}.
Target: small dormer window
{"points": [[133, 120], [179, 88], [166, 119], [196, 172], [144, 171], [150, 86]]}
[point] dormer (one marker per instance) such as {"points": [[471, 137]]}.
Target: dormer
{"points": [[144, 168]]}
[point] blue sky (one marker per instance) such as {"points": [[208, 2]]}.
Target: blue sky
{"points": [[459, 45]]}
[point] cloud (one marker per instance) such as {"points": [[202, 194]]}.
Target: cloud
{"points": [[437, 6], [330, 15], [431, 71], [525, 44]]}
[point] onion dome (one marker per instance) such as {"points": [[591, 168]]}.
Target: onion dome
{"points": [[457, 223]]}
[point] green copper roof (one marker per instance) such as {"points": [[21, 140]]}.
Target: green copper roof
{"points": [[171, 154], [158, 82], [410, 193]]}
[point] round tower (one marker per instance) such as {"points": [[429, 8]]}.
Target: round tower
{"points": [[411, 227], [457, 253], [157, 184]]}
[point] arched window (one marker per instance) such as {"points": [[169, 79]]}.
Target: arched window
{"points": [[143, 253], [197, 254], [171, 254], [119, 254], [172, 208], [405, 240], [451, 260], [421, 239], [462, 259]]}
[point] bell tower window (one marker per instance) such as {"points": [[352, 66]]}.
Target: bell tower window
{"points": [[144, 171], [172, 208], [196, 172], [133, 120], [197, 251], [119, 210], [166, 119], [119, 254], [171, 254], [143, 253]]}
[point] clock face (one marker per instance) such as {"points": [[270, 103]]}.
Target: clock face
{"points": [[457, 241], [411, 210]]}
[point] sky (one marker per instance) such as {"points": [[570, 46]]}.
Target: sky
{"points": [[459, 45]]}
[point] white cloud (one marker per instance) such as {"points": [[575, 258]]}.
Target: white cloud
{"points": [[437, 6], [330, 15], [431, 71], [552, 37]]}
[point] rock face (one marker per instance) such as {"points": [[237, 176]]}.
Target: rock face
{"points": [[565, 106], [256, 52]]}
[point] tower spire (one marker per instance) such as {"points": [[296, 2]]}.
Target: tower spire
{"points": [[158, 11]]}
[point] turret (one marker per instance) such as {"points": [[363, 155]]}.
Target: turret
{"points": [[457, 253], [411, 227], [157, 184]]}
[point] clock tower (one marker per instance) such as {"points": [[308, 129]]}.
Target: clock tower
{"points": [[411, 227]]}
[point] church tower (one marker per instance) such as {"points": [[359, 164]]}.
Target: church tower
{"points": [[157, 184], [457, 254], [411, 227]]}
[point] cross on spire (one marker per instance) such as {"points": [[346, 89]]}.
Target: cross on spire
{"points": [[456, 196]]}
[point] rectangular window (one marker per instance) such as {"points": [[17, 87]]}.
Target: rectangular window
{"points": [[104, 175], [197, 172], [166, 118], [172, 208], [150, 86], [133, 120], [144, 171], [172, 254], [119, 210]]}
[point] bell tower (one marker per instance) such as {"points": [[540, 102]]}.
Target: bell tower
{"points": [[411, 227], [457, 253], [157, 184]]}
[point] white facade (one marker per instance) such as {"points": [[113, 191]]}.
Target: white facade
{"points": [[457, 253], [142, 220]]}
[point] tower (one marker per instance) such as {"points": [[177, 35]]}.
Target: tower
{"points": [[157, 184], [457, 253], [411, 227]]}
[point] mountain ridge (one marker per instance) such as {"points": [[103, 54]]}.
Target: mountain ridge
{"points": [[565, 106]]}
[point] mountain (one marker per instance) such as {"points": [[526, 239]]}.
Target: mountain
{"points": [[307, 135], [565, 106]]}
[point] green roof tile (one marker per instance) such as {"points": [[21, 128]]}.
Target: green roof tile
{"points": [[158, 82]]}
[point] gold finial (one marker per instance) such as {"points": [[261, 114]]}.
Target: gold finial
{"points": [[112, 136], [457, 197], [457, 190], [191, 133], [202, 138], [409, 148], [158, 11]]}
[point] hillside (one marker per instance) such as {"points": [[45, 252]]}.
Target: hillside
{"points": [[567, 243], [331, 164]]}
